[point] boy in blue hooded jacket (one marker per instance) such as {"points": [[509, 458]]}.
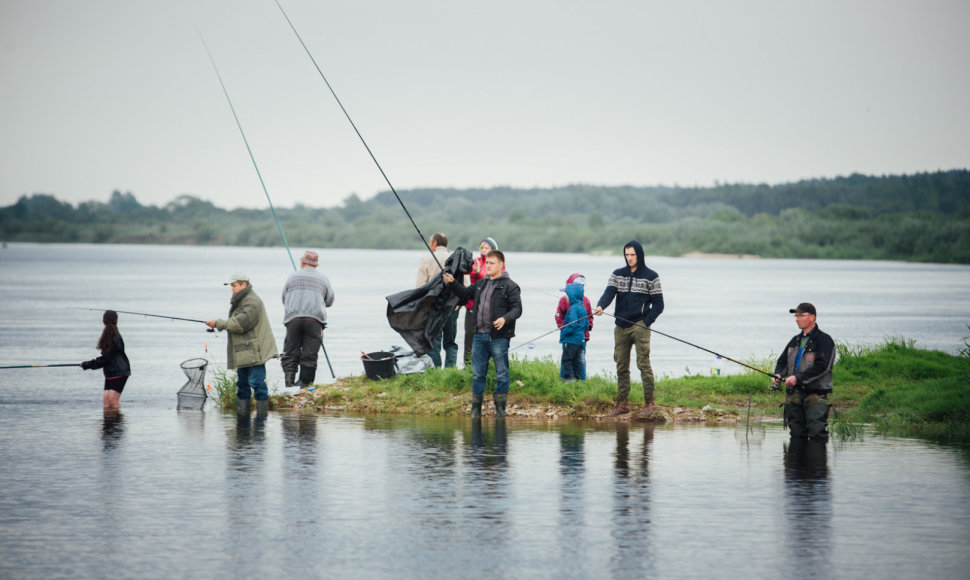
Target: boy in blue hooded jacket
{"points": [[573, 336]]}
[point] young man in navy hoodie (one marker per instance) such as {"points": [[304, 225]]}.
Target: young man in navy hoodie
{"points": [[639, 301]]}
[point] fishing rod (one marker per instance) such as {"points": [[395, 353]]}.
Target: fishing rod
{"points": [[42, 366], [528, 342], [694, 345], [289, 253], [146, 314], [248, 150], [361, 137]]}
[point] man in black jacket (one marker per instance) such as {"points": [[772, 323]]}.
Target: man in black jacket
{"points": [[496, 304], [805, 366]]}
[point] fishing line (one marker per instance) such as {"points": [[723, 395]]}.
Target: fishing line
{"points": [[289, 253], [361, 137]]}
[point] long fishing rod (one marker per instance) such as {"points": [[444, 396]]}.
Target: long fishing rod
{"points": [[693, 345], [361, 137], [42, 366], [146, 314], [528, 342], [258, 174], [248, 150]]}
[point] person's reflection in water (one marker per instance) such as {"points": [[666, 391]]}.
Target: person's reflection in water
{"points": [[808, 509], [300, 436], [490, 450], [487, 481], [631, 504], [245, 484], [112, 429], [572, 507]]}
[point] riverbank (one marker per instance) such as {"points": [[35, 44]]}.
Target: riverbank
{"points": [[895, 387]]}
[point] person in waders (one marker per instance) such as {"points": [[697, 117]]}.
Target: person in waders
{"points": [[639, 301], [496, 304], [306, 296], [113, 360], [250, 344], [805, 368]]}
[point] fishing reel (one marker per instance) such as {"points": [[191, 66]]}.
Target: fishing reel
{"points": [[777, 382]]}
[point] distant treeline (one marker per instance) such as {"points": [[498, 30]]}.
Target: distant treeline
{"points": [[922, 217]]}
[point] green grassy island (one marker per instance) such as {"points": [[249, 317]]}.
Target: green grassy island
{"points": [[895, 387]]}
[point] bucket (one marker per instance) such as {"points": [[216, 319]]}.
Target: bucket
{"points": [[379, 365]]}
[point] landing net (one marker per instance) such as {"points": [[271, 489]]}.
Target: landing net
{"points": [[192, 395]]}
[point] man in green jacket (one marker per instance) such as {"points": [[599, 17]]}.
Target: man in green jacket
{"points": [[250, 345]]}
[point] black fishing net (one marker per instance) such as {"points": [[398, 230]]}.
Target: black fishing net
{"points": [[192, 395]]}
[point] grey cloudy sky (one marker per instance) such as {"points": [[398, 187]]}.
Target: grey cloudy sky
{"points": [[119, 94]]}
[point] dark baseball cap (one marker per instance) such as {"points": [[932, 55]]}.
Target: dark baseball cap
{"points": [[803, 307]]}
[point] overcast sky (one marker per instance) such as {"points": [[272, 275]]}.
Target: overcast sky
{"points": [[99, 95]]}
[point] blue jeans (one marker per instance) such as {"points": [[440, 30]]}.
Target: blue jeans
{"points": [[249, 380], [483, 348], [572, 366]]}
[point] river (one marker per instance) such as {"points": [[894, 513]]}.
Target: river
{"points": [[152, 492]]}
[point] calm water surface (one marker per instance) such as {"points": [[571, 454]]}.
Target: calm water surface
{"points": [[159, 493], [154, 492]]}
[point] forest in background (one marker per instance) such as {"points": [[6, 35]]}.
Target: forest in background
{"points": [[922, 217]]}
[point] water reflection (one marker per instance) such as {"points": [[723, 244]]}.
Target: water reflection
{"points": [[808, 508], [572, 472], [112, 429], [631, 502], [300, 437]]}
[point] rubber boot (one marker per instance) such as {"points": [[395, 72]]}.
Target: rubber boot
{"points": [[500, 399], [307, 376], [476, 406], [622, 408], [243, 407], [290, 379], [262, 407]]}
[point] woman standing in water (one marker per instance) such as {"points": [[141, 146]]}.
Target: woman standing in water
{"points": [[113, 360]]}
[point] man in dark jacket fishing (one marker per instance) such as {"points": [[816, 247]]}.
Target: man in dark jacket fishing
{"points": [[639, 301], [250, 345], [805, 367], [496, 304]]}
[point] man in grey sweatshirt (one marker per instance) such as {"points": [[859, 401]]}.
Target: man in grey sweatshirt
{"points": [[306, 296]]}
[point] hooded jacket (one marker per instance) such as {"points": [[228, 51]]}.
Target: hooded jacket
{"points": [[639, 297], [563, 306], [576, 320], [251, 340]]}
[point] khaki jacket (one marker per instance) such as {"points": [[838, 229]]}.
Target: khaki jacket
{"points": [[429, 269], [251, 340]]}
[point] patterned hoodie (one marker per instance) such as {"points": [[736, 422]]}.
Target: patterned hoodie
{"points": [[639, 297]]}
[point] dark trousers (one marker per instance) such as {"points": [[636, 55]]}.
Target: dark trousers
{"points": [[304, 336], [573, 362], [446, 340], [807, 414], [469, 336]]}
